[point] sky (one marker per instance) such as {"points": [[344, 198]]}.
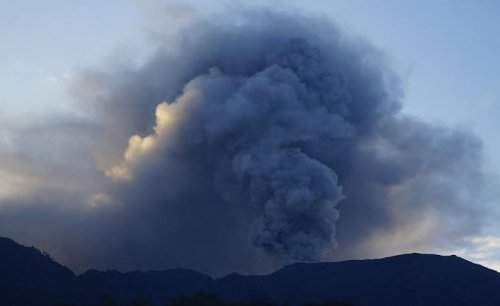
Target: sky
{"points": [[444, 52]]}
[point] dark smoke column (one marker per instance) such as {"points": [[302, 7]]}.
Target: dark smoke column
{"points": [[261, 123], [299, 196], [295, 193], [267, 120]]}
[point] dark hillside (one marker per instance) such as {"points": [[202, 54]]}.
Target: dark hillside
{"points": [[29, 277]]}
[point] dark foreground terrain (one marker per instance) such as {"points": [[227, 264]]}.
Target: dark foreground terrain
{"points": [[29, 277]]}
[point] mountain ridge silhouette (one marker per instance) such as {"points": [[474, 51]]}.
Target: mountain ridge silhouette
{"points": [[30, 277]]}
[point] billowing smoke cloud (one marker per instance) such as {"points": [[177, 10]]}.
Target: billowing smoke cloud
{"points": [[250, 141]]}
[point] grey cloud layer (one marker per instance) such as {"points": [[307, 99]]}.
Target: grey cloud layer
{"points": [[255, 140]]}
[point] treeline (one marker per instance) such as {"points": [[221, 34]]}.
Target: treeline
{"points": [[209, 299]]}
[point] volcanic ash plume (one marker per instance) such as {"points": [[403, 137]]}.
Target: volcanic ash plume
{"points": [[256, 123], [245, 141]]}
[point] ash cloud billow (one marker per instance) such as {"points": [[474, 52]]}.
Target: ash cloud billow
{"points": [[250, 132], [263, 102], [255, 140]]}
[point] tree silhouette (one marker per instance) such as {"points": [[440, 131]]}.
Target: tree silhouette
{"points": [[199, 299], [107, 300], [140, 302], [209, 299]]}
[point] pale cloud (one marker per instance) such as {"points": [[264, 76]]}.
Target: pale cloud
{"points": [[100, 199], [484, 250], [141, 147], [58, 78], [410, 235], [492, 264]]}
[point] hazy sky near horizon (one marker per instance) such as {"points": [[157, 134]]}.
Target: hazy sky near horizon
{"points": [[446, 53]]}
